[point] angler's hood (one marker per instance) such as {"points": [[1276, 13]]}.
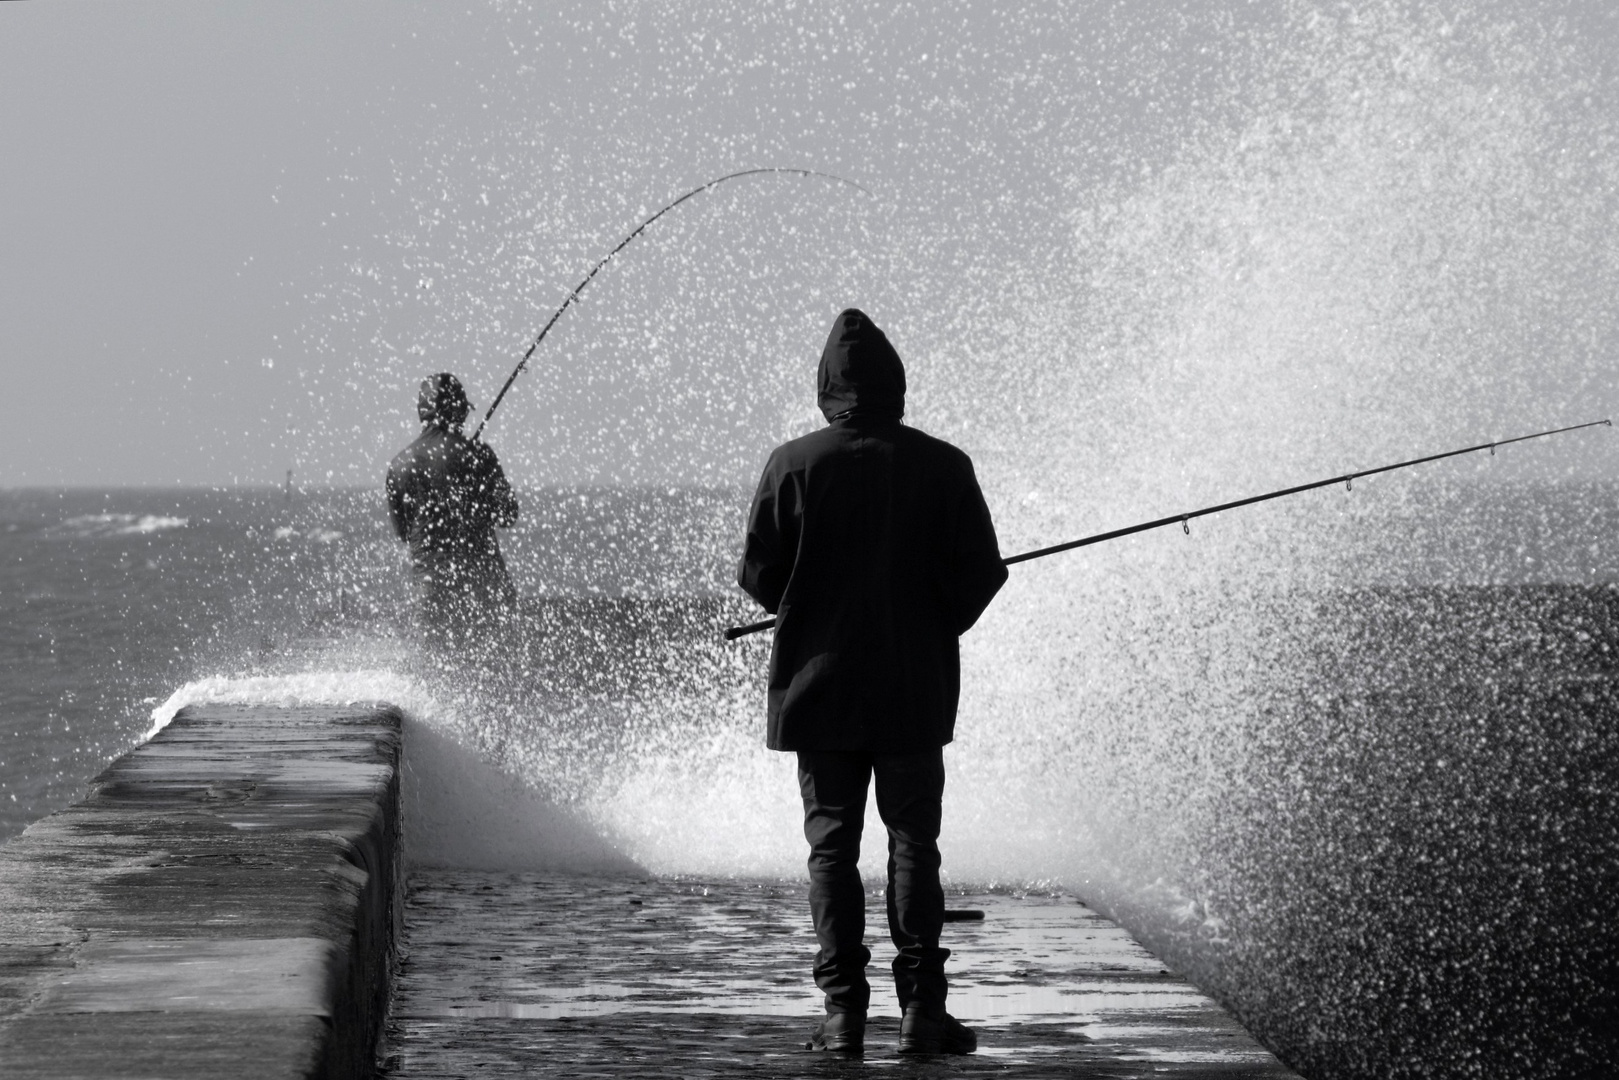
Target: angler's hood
{"points": [[860, 373], [442, 401]]}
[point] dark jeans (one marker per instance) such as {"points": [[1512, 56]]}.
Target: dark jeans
{"points": [[910, 788]]}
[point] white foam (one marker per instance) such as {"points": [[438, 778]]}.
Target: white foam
{"points": [[151, 523], [304, 688], [464, 813], [87, 526], [460, 809]]}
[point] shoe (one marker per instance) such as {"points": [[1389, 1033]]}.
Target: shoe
{"points": [[842, 1032], [924, 1031]]}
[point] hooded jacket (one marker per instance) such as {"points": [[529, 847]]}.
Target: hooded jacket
{"points": [[872, 545], [446, 496]]}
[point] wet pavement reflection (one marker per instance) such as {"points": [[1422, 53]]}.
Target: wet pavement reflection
{"points": [[532, 975]]}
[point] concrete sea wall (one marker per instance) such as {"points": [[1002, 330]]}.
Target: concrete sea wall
{"points": [[225, 902], [228, 901]]}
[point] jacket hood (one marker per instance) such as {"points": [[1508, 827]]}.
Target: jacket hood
{"points": [[860, 372], [442, 401]]}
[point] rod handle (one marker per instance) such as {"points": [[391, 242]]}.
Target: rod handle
{"points": [[734, 632]]}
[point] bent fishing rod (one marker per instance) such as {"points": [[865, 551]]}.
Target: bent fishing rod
{"points": [[1184, 520], [624, 243]]}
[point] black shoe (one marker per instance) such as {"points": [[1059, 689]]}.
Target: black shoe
{"points": [[843, 1032], [928, 1032]]}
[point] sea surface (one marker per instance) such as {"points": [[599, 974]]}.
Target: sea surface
{"points": [[110, 601], [1357, 775]]}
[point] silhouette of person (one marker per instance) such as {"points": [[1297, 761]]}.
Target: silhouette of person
{"points": [[872, 545], [446, 497]]}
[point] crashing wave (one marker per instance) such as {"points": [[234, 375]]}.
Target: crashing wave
{"points": [[91, 526]]}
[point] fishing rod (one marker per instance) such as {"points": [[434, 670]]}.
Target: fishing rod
{"points": [[639, 229], [1184, 520]]}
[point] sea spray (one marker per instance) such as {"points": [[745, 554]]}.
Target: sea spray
{"points": [[1394, 239], [325, 687], [1342, 759]]}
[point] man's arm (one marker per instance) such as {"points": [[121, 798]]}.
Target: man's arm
{"points": [[975, 572], [400, 511], [770, 546], [496, 493]]}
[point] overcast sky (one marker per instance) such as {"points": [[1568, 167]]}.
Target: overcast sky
{"points": [[233, 237]]}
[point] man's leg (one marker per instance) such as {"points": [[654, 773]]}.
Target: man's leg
{"points": [[834, 788], [910, 791]]}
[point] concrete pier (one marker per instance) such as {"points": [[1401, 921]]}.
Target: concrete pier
{"points": [[525, 975], [228, 901], [222, 904]]}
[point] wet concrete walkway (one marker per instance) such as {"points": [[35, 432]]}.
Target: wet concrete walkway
{"points": [[528, 975], [220, 904]]}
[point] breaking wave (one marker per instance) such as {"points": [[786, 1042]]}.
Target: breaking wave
{"points": [[93, 526]]}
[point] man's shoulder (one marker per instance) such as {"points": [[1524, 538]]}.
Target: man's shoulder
{"points": [[429, 450], [804, 449], [412, 451], [932, 444], [402, 461], [935, 457]]}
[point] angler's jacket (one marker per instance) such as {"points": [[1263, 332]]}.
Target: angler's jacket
{"points": [[871, 543], [446, 496]]}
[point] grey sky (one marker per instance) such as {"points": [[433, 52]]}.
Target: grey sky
{"points": [[233, 237]]}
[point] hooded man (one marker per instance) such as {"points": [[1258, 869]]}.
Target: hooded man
{"points": [[446, 496], [872, 545]]}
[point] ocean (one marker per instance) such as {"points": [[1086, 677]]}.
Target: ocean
{"points": [[1355, 771]]}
